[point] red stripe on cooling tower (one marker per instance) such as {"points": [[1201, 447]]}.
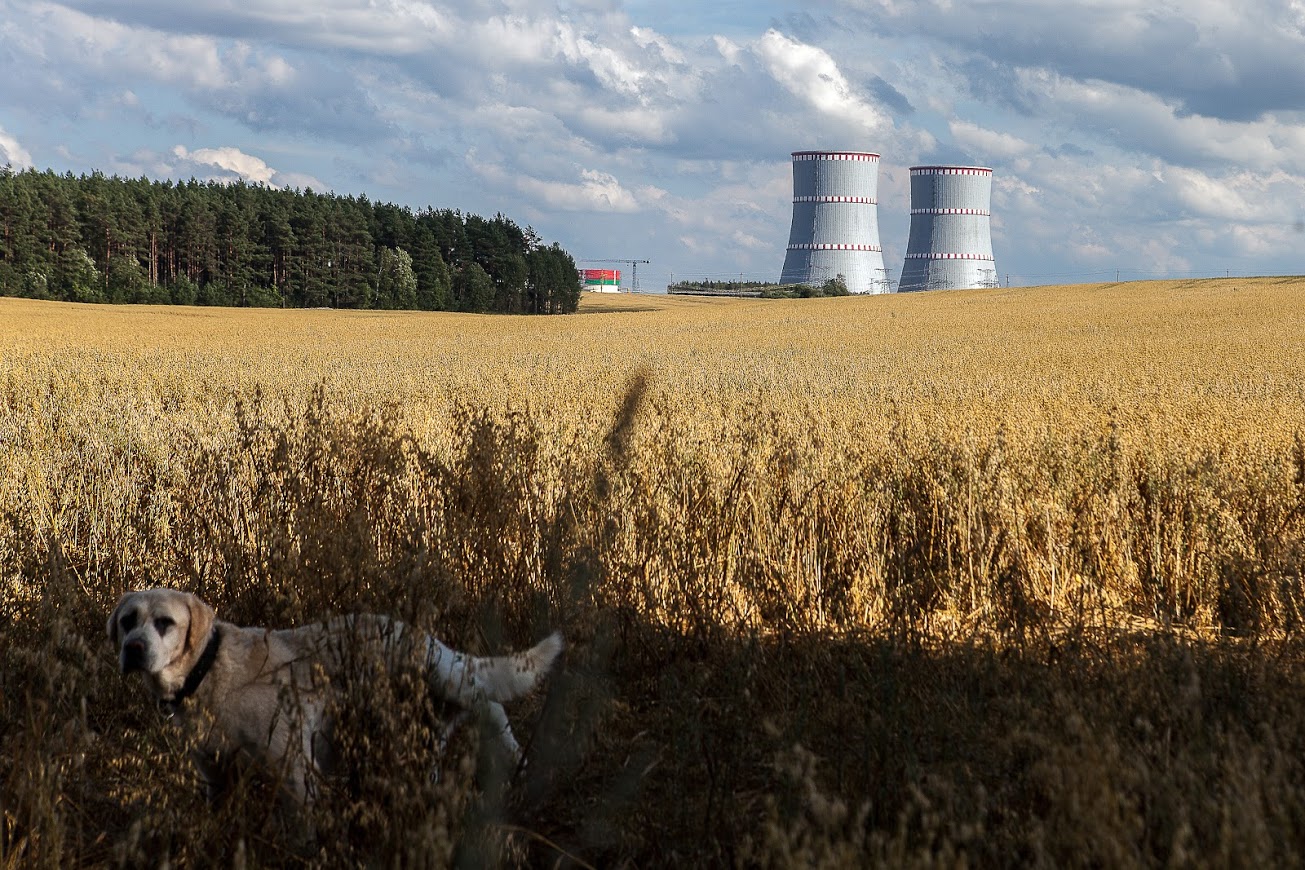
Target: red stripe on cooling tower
{"points": [[835, 155], [950, 170], [949, 257], [864, 200], [815, 246], [978, 211]]}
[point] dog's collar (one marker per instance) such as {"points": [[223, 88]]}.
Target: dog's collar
{"points": [[172, 706]]}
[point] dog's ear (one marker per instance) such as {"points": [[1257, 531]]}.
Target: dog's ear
{"points": [[200, 625], [112, 627]]}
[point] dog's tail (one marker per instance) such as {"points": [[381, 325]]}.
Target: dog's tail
{"points": [[466, 679]]}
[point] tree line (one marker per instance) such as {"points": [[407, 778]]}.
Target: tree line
{"points": [[836, 286], [92, 238]]}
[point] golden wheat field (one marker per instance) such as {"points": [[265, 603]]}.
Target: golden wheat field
{"points": [[959, 578]]}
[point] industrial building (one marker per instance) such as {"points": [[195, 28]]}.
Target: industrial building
{"points": [[835, 229], [601, 280], [950, 245]]}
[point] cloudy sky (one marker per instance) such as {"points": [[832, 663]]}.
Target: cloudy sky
{"points": [[1153, 138]]}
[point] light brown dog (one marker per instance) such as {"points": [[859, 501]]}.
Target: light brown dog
{"points": [[266, 693]]}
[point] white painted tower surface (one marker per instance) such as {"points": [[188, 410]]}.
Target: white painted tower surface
{"points": [[835, 227], [950, 246]]}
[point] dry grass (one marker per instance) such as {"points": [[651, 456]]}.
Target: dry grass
{"points": [[990, 577]]}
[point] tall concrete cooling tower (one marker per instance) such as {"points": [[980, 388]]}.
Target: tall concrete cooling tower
{"points": [[950, 245], [835, 227]]}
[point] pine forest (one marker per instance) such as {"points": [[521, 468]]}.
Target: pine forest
{"points": [[108, 239]]}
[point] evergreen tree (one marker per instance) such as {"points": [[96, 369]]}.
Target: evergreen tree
{"points": [[97, 238], [197, 236], [554, 285], [434, 281], [350, 256], [237, 255], [20, 247], [62, 261], [279, 240], [473, 289]]}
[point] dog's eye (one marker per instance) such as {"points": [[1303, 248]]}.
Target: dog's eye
{"points": [[163, 623], [128, 622]]}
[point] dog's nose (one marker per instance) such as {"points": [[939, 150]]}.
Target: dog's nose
{"points": [[133, 656]]}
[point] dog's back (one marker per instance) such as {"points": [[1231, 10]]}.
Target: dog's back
{"points": [[456, 676]]}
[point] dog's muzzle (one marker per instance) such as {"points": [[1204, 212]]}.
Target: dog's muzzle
{"points": [[133, 656]]}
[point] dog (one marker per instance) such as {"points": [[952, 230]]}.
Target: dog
{"points": [[264, 696]]}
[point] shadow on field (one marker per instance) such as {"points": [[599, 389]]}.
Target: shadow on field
{"points": [[813, 751], [650, 748], [674, 735]]}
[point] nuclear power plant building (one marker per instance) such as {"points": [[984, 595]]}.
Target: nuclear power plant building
{"points": [[950, 246], [835, 228]]}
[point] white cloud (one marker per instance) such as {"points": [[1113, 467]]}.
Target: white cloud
{"points": [[200, 62], [1204, 196], [741, 223], [988, 142], [596, 191], [376, 26], [13, 153], [647, 37], [1238, 196], [1114, 126], [1138, 120], [233, 160], [76, 63], [643, 126], [728, 49], [1261, 241], [228, 164], [811, 74], [1220, 59]]}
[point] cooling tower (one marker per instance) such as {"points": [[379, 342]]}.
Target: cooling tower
{"points": [[835, 227], [950, 245]]}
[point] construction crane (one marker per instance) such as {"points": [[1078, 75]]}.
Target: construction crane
{"points": [[634, 270]]}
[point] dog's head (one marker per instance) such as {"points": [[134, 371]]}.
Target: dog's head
{"points": [[161, 632]]}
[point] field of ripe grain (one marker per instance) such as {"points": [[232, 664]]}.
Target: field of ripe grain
{"points": [[1001, 577]]}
